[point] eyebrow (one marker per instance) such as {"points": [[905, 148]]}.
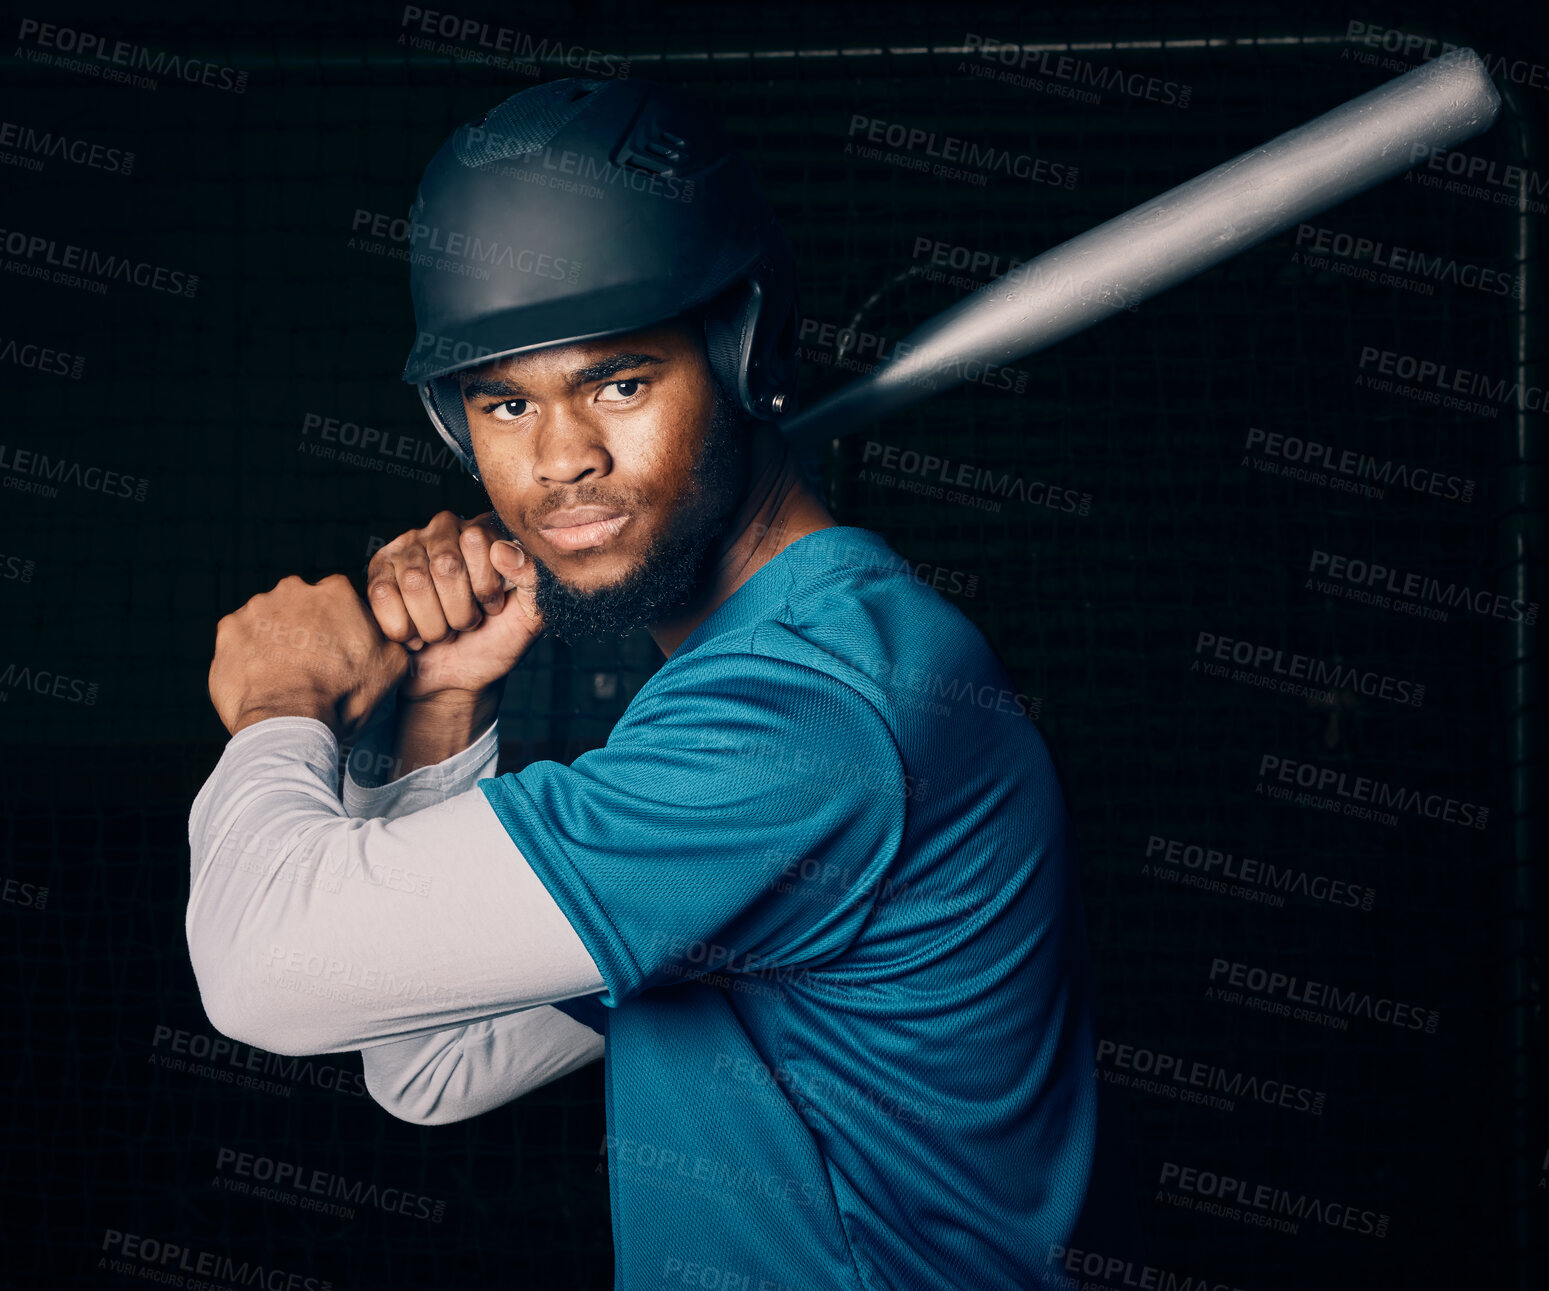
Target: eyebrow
{"points": [[598, 371]]}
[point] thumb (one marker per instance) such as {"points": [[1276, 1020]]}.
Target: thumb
{"points": [[509, 561]]}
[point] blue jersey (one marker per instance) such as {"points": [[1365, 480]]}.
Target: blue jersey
{"points": [[824, 866]]}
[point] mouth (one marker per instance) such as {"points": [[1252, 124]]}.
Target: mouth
{"points": [[591, 531]]}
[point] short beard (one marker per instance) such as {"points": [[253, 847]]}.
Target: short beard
{"points": [[672, 567]]}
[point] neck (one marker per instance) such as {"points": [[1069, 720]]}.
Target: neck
{"points": [[777, 509]]}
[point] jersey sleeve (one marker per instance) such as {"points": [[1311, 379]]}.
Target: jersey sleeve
{"points": [[737, 821]]}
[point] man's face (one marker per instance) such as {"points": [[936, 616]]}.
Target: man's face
{"points": [[617, 464]]}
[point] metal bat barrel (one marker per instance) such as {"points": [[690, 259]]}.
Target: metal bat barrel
{"points": [[1173, 237]]}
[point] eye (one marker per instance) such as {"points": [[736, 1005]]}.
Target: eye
{"points": [[627, 389], [510, 410]]}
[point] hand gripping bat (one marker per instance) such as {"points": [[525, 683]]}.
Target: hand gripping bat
{"points": [[1173, 237]]}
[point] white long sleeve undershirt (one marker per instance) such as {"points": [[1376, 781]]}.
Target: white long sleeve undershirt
{"points": [[402, 921]]}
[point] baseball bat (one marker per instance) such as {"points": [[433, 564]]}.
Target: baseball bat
{"points": [[1171, 238]]}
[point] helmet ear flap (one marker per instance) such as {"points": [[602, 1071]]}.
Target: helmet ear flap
{"points": [[443, 400], [775, 356], [750, 340], [727, 330]]}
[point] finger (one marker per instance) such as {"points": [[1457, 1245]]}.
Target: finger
{"points": [[386, 602], [485, 579], [510, 561], [417, 587], [459, 607], [382, 593], [520, 579]]}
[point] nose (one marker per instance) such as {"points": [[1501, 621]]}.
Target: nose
{"points": [[568, 448]]}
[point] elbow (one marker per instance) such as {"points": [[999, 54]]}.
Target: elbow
{"points": [[230, 1019], [243, 1004], [416, 1096], [236, 1015], [414, 1112]]}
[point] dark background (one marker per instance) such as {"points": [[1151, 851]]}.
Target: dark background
{"points": [[206, 399]]}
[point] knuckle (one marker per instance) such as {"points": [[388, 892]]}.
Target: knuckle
{"points": [[415, 578], [447, 563]]}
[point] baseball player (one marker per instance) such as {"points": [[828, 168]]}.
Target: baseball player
{"points": [[815, 901]]}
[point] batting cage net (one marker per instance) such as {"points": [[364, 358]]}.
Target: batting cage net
{"points": [[1167, 527]]}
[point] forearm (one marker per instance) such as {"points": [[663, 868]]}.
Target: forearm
{"points": [[429, 731], [377, 784], [467, 1070], [311, 932]]}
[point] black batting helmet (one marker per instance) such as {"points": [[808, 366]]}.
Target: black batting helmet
{"points": [[579, 209]]}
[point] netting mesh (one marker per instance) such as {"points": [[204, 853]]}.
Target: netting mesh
{"points": [[303, 321]]}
